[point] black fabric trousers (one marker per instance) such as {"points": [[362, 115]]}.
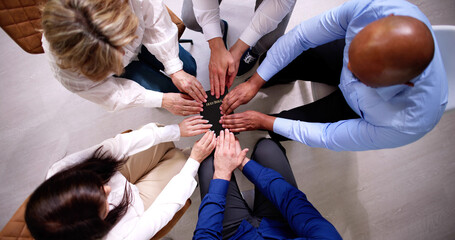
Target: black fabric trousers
{"points": [[322, 64], [268, 153]]}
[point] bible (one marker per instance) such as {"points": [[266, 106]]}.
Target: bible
{"points": [[212, 112]]}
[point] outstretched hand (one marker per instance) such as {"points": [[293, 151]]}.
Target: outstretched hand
{"points": [[247, 121], [193, 126], [180, 104], [202, 148], [189, 84], [241, 94], [228, 155], [221, 67]]}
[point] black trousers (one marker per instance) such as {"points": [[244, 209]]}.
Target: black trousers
{"points": [[322, 64], [269, 154]]}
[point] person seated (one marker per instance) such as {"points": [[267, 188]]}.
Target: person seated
{"points": [[382, 55], [120, 54], [280, 211], [269, 22], [127, 187]]}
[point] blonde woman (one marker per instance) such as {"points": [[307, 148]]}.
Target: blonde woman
{"points": [[120, 54]]}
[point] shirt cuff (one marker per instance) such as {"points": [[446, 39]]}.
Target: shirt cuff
{"points": [[173, 131], [212, 30], [153, 99], [250, 37], [173, 66], [250, 168], [282, 126], [218, 186], [266, 70], [191, 167]]}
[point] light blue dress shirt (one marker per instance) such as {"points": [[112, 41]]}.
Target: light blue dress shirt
{"points": [[390, 116]]}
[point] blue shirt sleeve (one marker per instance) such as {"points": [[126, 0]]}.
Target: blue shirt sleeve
{"points": [[346, 135], [316, 31], [302, 217], [211, 211]]}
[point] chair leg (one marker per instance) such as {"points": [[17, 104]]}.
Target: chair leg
{"points": [[186, 41]]}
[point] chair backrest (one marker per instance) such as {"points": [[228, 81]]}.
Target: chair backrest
{"points": [[445, 36], [21, 20]]}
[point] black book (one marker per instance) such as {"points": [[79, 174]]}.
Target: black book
{"points": [[212, 111]]}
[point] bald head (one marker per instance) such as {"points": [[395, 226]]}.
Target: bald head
{"points": [[392, 50]]}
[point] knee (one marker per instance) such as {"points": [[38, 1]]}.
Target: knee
{"points": [[266, 147]]}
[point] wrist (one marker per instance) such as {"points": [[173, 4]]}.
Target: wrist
{"points": [[244, 162], [256, 81], [165, 100], [222, 175], [216, 43]]}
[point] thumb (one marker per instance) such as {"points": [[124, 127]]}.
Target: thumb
{"points": [[242, 155]]}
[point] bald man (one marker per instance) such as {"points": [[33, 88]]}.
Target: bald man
{"points": [[392, 87]]}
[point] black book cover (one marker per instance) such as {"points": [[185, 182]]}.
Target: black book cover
{"points": [[212, 111]]}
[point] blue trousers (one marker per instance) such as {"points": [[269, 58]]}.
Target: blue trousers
{"points": [[148, 71]]}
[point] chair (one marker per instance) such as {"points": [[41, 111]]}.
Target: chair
{"points": [[445, 36], [16, 227], [21, 19]]}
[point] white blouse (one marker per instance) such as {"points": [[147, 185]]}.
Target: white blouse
{"points": [[157, 33], [139, 224], [265, 19]]}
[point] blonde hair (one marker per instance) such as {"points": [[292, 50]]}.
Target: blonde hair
{"points": [[88, 35]]}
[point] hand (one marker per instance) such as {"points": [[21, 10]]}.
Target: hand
{"points": [[237, 51], [228, 155], [202, 148], [189, 84], [247, 121], [245, 159], [221, 66], [241, 94], [180, 104], [193, 126]]}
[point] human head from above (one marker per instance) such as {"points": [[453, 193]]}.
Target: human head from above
{"points": [[390, 51], [87, 36], [73, 204]]}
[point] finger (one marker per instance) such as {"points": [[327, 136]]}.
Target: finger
{"points": [[197, 132], [212, 81], [205, 138], [201, 90], [191, 110], [216, 82], [241, 129], [231, 141], [227, 101], [212, 142], [201, 127], [227, 139], [193, 118], [197, 93], [221, 140], [242, 154], [223, 84]]}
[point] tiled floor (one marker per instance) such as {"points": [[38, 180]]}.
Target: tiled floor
{"points": [[403, 193]]}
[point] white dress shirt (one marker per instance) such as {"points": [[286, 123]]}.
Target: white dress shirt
{"points": [[157, 33], [139, 223], [266, 18]]}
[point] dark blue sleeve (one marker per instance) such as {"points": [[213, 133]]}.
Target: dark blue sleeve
{"points": [[211, 211], [302, 217]]}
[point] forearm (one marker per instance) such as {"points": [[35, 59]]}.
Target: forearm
{"points": [[300, 214], [211, 211]]}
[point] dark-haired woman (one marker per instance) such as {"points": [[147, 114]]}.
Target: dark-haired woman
{"points": [[127, 187]]}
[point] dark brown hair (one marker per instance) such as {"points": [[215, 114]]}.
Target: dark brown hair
{"points": [[69, 204]]}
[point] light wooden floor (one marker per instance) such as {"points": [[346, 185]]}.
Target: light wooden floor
{"points": [[403, 193]]}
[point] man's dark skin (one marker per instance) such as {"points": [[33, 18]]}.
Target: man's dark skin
{"points": [[389, 51]]}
